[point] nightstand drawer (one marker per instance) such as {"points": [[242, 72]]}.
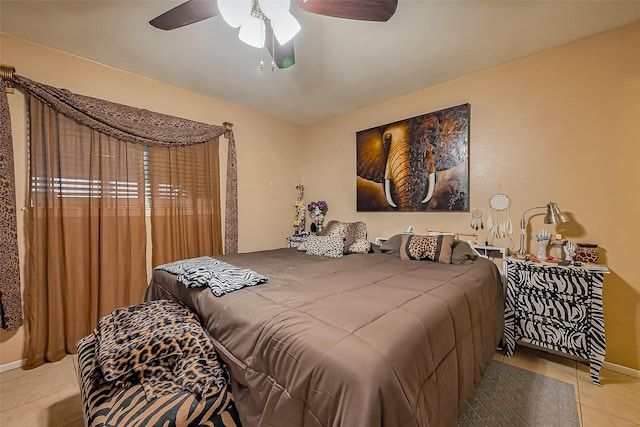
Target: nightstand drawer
{"points": [[554, 334], [567, 309], [551, 280]]}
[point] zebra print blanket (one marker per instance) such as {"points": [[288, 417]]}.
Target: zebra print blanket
{"points": [[219, 276]]}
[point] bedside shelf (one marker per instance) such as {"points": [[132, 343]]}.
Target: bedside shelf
{"points": [[493, 252], [294, 240]]}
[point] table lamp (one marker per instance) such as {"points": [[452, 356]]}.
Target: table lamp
{"points": [[553, 216]]}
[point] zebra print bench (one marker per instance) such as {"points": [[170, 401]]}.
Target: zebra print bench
{"points": [[130, 403]]}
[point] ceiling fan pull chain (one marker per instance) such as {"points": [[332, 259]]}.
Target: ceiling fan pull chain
{"points": [[261, 57], [273, 43]]}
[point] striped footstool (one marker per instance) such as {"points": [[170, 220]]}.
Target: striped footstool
{"points": [[118, 404]]}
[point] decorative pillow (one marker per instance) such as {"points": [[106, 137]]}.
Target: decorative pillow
{"points": [[357, 242], [354, 235], [302, 247], [462, 252], [391, 246], [331, 246], [432, 248]]}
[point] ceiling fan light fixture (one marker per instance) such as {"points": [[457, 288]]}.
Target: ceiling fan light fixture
{"points": [[285, 28], [252, 32], [235, 12], [274, 9]]}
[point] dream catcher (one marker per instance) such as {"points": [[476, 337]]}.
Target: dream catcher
{"points": [[499, 220], [476, 219]]}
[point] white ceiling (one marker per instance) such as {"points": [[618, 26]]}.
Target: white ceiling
{"points": [[340, 64]]}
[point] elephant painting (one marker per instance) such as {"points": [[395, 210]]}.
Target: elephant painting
{"points": [[417, 164]]}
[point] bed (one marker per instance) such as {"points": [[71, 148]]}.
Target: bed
{"points": [[365, 339]]}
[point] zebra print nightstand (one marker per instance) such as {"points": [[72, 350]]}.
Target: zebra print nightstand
{"points": [[559, 308]]}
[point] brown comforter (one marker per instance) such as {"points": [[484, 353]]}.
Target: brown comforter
{"points": [[363, 340]]}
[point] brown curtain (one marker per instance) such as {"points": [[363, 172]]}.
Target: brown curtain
{"points": [[10, 293], [86, 231], [145, 127], [85, 224], [231, 202], [185, 202]]}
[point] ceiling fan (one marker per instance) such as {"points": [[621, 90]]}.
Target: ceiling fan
{"points": [[283, 55]]}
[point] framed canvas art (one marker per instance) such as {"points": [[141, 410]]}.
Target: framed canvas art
{"points": [[420, 164]]}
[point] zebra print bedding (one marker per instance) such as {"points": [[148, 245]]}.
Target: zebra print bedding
{"points": [[219, 276]]}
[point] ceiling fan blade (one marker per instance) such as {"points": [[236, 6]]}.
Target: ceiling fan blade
{"points": [[186, 13], [283, 55], [364, 10]]}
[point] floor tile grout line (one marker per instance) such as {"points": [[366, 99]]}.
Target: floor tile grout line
{"points": [[593, 408], [75, 385], [42, 397], [580, 414], [609, 413]]}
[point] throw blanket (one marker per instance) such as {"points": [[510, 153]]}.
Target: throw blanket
{"points": [[160, 345], [219, 276]]}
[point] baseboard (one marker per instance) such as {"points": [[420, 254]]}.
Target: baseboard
{"points": [[12, 365], [621, 369], [607, 365]]}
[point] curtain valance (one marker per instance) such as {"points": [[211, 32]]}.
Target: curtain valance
{"points": [[120, 121]]}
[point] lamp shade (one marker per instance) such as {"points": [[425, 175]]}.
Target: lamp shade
{"points": [[554, 215]]}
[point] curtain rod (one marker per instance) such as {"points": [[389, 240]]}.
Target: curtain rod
{"points": [[228, 129], [6, 74]]}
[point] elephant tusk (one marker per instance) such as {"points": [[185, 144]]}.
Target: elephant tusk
{"points": [[431, 183], [387, 193]]}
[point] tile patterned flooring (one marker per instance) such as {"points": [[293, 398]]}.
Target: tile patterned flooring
{"points": [[49, 396]]}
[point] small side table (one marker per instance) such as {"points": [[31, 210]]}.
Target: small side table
{"points": [[381, 240], [558, 308], [490, 252], [294, 240]]}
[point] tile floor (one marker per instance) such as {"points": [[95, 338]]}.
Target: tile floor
{"points": [[49, 396]]}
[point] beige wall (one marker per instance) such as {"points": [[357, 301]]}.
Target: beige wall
{"points": [[558, 126], [562, 126], [268, 153]]}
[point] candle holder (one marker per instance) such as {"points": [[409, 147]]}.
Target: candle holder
{"points": [[557, 244]]}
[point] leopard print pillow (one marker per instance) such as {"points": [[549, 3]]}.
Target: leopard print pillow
{"points": [[431, 248], [354, 235], [331, 246]]}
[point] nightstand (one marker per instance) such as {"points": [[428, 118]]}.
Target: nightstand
{"points": [[492, 252], [294, 240], [556, 307]]}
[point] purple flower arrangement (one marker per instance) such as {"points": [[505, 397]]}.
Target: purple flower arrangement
{"points": [[320, 205], [317, 210]]}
